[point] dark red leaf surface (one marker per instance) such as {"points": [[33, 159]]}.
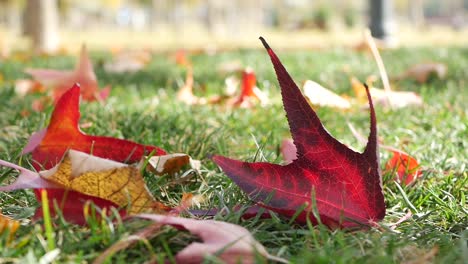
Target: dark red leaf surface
{"points": [[344, 184], [63, 133]]}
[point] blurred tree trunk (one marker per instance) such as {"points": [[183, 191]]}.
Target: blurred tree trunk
{"points": [[40, 24]]}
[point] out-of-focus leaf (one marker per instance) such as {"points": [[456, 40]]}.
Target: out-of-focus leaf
{"points": [[228, 242], [407, 168], [422, 72], [321, 96], [59, 81], [9, 225], [128, 61], [249, 91], [394, 99]]}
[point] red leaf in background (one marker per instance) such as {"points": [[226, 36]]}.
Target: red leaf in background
{"points": [[60, 80], [63, 133], [346, 185], [406, 167], [249, 90]]}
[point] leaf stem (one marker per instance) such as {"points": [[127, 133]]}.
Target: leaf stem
{"points": [[47, 221]]}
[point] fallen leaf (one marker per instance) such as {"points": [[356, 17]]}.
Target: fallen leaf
{"points": [[229, 66], [8, 225], [228, 242], [128, 61], [63, 133], [170, 163], [249, 91], [180, 58], [405, 166], [84, 177], [113, 181], [344, 184], [61, 80], [394, 99], [185, 93], [321, 96], [25, 86], [422, 72], [69, 202]]}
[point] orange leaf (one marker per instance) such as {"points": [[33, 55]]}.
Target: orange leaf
{"points": [[406, 167], [8, 225]]}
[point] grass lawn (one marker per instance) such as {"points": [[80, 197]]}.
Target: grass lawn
{"points": [[142, 107]]}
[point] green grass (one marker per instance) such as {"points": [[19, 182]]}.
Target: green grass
{"points": [[142, 108]]}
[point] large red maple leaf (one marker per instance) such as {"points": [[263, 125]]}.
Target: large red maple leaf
{"points": [[344, 185]]}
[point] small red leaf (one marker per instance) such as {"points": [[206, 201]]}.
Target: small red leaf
{"points": [[249, 90], [406, 167], [345, 185], [63, 133]]}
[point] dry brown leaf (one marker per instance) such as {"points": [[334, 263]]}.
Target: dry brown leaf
{"points": [[185, 93], [128, 62], [170, 163], [423, 71], [321, 96], [229, 66], [117, 182], [394, 99]]}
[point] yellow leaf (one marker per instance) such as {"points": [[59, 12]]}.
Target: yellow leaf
{"points": [[117, 182]]}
